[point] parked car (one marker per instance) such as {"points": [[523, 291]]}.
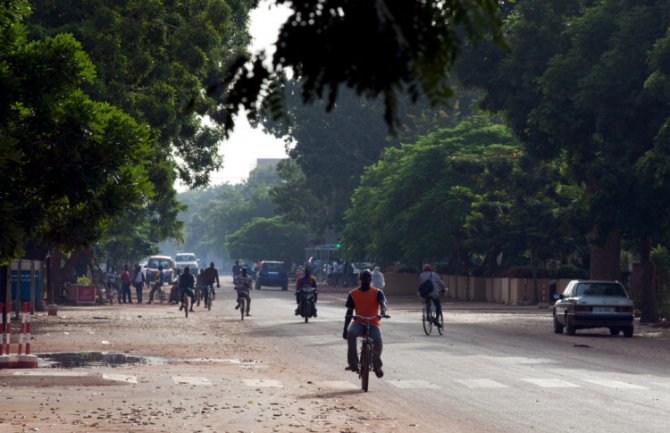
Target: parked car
{"points": [[186, 259], [151, 268], [594, 304], [272, 274]]}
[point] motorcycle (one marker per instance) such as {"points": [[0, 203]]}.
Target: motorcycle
{"points": [[307, 305]]}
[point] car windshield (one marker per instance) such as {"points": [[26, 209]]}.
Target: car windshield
{"points": [[155, 263], [273, 267], [185, 258], [600, 289]]}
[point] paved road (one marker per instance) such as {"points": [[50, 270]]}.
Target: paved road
{"points": [[497, 369]]}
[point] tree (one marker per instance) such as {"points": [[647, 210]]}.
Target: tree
{"points": [[154, 59], [50, 130], [269, 238], [413, 204], [588, 96], [377, 48]]}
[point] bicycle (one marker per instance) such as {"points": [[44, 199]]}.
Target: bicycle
{"points": [[365, 356], [198, 294], [185, 302], [428, 317], [210, 297], [242, 302]]}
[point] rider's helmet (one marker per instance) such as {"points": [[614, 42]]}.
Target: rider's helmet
{"points": [[244, 271], [365, 275], [211, 265], [187, 270], [427, 267], [160, 267]]}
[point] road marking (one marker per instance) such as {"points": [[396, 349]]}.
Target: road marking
{"points": [[615, 384], [337, 384], [190, 380], [481, 383], [552, 383], [50, 373], [412, 384], [263, 383], [119, 378]]}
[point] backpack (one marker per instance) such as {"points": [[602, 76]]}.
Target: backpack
{"points": [[426, 288]]}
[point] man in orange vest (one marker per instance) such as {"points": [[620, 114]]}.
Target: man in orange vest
{"points": [[366, 301]]}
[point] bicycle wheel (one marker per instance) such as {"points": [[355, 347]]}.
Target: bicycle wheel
{"points": [[427, 322], [186, 302], [440, 319], [243, 306], [209, 300], [364, 367]]}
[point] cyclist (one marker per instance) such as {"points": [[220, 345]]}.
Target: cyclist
{"points": [[243, 285], [307, 280], [366, 301], [438, 288], [158, 284], [210, 275], [186, 285]]}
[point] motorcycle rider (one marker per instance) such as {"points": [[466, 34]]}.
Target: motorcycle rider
{"points": [[186, 285], [243, 286], [367, 301], [307, 280]]}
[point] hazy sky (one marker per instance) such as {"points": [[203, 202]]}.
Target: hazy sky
{"points": [[245, 143]]}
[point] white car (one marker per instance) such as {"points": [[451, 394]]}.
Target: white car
{"points": [[186, 259], [594, 304]]}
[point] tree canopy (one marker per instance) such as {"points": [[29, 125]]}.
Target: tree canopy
{"points": [[70, 164]]}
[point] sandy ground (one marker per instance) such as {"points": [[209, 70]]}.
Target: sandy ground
{"points": [[199, 375]]}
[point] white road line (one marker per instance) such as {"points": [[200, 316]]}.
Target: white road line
{"points": [[50, 373], [412, 384], [119, 378], [551, 383], [190, 380], [337, 384], [481, 383], [263, 383], [615, 384]]}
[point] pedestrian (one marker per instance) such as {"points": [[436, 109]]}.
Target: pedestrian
{"points": [[125, 286], [158, 284], [378, 278], [138, 281]]}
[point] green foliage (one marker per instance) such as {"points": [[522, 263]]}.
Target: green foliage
{"points": [[75, 163], [412, 206], [83, 280], [378, 49], [153, 59], [269, 239]]}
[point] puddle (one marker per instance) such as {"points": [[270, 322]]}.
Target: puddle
{"points": [[88, 359], [115, 359]]}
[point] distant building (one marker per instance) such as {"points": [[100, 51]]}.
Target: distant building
{"points": [[267, 162]]}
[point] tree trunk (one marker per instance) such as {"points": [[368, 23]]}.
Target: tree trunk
{"points": [[643, 279], [62, 273], [606, 257]]}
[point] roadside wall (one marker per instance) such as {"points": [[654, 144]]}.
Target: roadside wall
{"points": [[513, 291]]}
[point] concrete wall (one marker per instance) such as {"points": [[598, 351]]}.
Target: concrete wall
{"points": [[514, 291]]}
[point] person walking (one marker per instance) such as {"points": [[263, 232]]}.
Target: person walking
{"points": [[158, 284], [139, 280], [378, 278], [125, 287]]}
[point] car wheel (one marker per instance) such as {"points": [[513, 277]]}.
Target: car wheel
{"points": [[558, 327], [628, 332], [569, 327], [614, 331]]}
